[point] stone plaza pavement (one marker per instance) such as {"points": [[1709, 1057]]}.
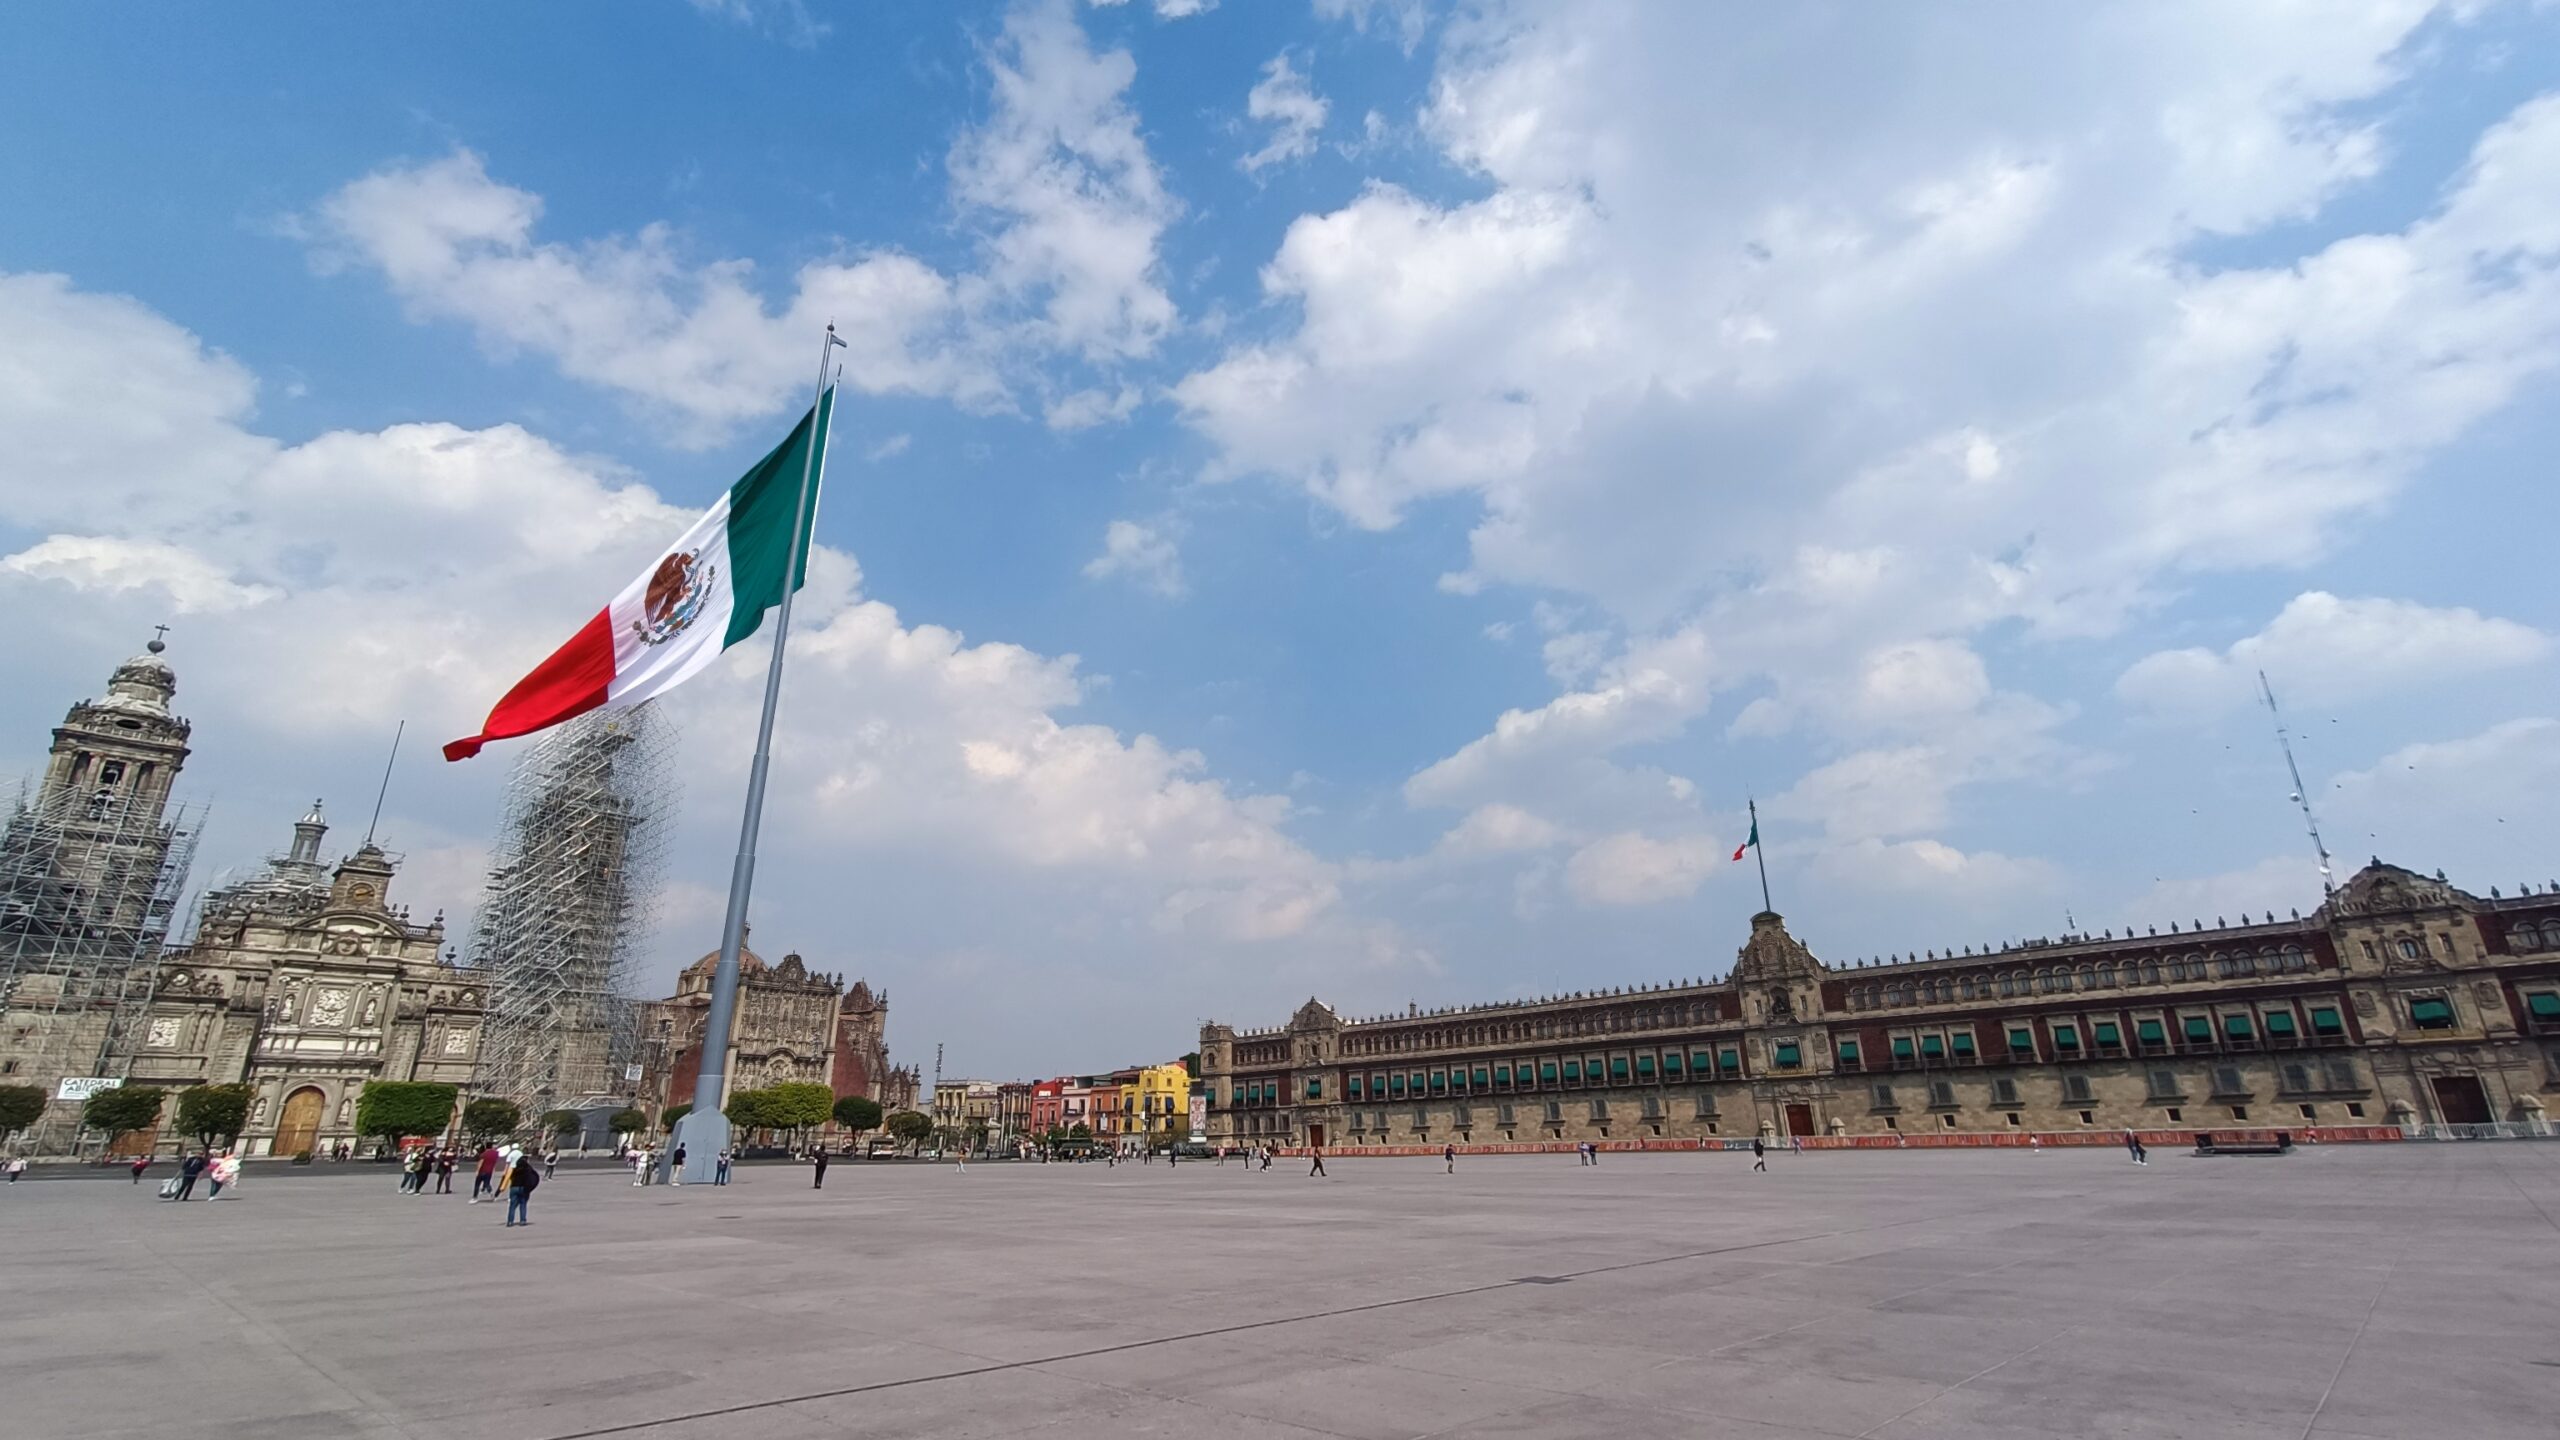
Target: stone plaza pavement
{"points": [[2384, 1290]]}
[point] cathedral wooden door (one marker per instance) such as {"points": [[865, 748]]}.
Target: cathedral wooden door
{"points": [[299, 1126]]}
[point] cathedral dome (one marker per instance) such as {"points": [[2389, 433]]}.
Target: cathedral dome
{"points": [[142, 685], [749, 963]]}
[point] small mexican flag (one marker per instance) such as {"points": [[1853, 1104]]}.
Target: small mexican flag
{"points": [[706, 593], [1745, 847]]}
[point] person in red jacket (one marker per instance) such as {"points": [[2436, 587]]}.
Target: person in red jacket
{"points": [[485, 1180]]}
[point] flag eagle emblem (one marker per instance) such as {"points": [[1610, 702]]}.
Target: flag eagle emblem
{"points": [[674, 597]]}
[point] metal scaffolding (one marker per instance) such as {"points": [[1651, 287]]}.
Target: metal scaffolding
{"points": [[569, 907], [88, 887]]}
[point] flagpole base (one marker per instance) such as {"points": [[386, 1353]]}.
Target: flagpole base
{"points": [[703, 1134]]}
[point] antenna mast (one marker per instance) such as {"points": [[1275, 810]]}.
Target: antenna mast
{"points": [[2301, 797]]}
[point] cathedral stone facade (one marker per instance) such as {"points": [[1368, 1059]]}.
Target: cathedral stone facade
{"points": [[791, 1023], [2401, 1000], [307, 983]]}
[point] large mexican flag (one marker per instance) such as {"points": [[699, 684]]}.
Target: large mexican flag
{"points": [[707, 592]]}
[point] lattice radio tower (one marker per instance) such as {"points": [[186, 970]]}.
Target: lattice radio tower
{"points": [[570, 904]]}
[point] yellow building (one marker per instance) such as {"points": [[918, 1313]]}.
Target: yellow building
{"points": [[1155, 1103]]}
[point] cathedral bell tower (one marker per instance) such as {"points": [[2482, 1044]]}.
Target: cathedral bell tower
{"points": [[107, 784]]}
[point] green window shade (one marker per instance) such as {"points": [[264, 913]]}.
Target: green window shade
{"points": [[1395, 1085], [1480, 1075], [1501, 1074], [2544, 1006], [2199, 1028], [1849, 1050], [1729, 1060], [1901, 1047], [2108, 1034], [2152, 1034], [2238, 1027], [1933, 1046], [1439, 1082], [1417, 1082], [1355, 1087], [1573, 1069], [2022, 1039], [2280, 1022], [1702, 1062], [1617, 1067], [2431, 1012], [1644, 1065], [1547, 1072], [1315, 1089], [2066, 1037], [1964, 1044], [1671, 1063], [2325, 1021], [1790, 1053]]}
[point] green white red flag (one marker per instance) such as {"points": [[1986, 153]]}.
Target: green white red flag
{"points": [[705, 593]]}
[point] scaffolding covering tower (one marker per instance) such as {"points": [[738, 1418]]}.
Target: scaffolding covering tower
{"points": [[570, 905], [93, 858]]}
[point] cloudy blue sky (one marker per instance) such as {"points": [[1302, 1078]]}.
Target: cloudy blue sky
{"points": [[1342, 499]]}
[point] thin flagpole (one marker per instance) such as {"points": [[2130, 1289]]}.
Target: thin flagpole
{"points": [[705, 1130], [380, 794], [1761, 856]]}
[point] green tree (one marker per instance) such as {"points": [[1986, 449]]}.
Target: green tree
{"points": [[211, 1112], [394, 1110], [1079, 1131], [752, 1110], [561, 1122], [489, 1117], [675, 1113], [801, 1106], [1191, 1063], [121, 1111], [628, 1121], [909, 1127], [20, 1107], [857, 1113]]}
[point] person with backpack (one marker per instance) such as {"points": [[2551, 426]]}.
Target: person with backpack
{"points": [[522, 1178], [188, 1170], [1759, 1154]]}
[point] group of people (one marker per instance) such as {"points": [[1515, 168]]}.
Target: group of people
{"points": [[221, 1169], [644, 1160]]}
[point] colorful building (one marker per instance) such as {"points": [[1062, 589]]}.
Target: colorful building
{"points": [[1155, 1103]]}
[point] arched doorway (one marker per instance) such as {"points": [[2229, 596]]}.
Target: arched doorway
{"points": [[299, 1126]]}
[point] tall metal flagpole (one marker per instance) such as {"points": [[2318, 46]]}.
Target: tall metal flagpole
{"points": [[704, 1131], [1760, 855]]}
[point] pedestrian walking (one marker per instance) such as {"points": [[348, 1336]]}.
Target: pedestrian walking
{"points": [[960, 1159], [550, 1162], [1315, 1153], [1266, 1157], [18, 1167], [1795, 1144], [1759, 1154], [1449, 1157], [720, 1168], [224, 1169], [444, 1172], [140, 1164], [818, 1172], [675, 1167], [2133, 1147], [188, 1170], [522, 1178], [484, 1177], [1222, 1155], [640, 1166]]}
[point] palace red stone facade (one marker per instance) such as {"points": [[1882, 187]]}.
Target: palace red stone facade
{"points": [[2401, 1000]]}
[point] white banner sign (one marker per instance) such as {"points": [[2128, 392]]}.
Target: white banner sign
{"points": [[81, 1087], [630, 1072], [1200, 1116]]}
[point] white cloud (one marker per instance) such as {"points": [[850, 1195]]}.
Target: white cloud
{"points": [[1087, 408], [1183, 9], [1077, 203], [1498, 830], [1057, 180], [1285, 101], [1637, 869], [889, 449], [100, 564], [631, 313], [1146, 554], [2322, 648]]}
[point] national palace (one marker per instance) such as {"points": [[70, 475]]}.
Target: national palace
{"points": [[2400, 1000]]}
